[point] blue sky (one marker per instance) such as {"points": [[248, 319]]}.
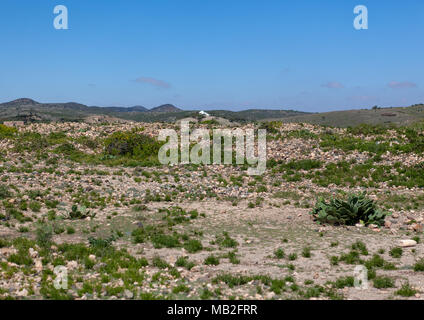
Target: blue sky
{"points": [[228, 54]]}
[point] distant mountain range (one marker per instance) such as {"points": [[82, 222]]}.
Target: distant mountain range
{"points": [[28, 110], [28, 103]]}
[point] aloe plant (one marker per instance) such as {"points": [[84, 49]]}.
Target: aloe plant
{"points": [[80, 213], [356, 209]]}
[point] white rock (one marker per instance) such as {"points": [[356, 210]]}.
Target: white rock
{"points": [[407, 243], [72, 265], [38, 265], [128, 294], [33, 254], [22, 293]]}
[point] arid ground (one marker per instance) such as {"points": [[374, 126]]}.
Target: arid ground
{"points": [[126, 227]]}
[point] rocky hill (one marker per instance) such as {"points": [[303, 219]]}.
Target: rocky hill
{"points": [[28, 110]]}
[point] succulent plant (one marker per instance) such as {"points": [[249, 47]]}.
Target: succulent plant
{"points": [[356, 209], [80, 213]]}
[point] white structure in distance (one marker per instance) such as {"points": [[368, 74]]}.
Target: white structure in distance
{"points": [[203, 113]]}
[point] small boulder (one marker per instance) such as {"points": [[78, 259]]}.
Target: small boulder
{"points": [[72, 265], [128, 294], [32, 253], [407, 243]]}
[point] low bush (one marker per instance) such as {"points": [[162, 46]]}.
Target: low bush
{"points": [[382, 282], [406, 290], [419, 265], [4, 192], [131, 143], [7, 132]]}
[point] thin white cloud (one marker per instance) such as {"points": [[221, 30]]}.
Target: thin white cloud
{"points": [[401, 85], [333, 85], [362, 98], [154, 82]]}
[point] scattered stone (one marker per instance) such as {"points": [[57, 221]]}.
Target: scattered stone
{"points": [[407, 243], [72, 265], [32, 253], [38, 265], [128, 294], [417, 227], [22, 293]]}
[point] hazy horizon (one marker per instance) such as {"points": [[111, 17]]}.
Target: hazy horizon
{"points": [[204, 108]]}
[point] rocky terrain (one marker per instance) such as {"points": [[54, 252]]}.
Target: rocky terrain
{"points": [[126, 227]]}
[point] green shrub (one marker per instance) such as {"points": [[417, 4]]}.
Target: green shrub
{"points": [[416, 239], [184, 262], [7, 132], [334, 260], [193, 246], [3, 243], [381, 282], [66, 149], [23, 229], [396, 252], [159, 263], [139, 235], [226, 241], [70, 230], [131, 143], [344, 282], [212, 260], [279, 253], [419, 265], [21, 258], [44, 235], [164, 240], [361, 247], [232, 256], [4, 192], [181, 289], [306, 252], [292, 256], [30, 141], [80, 213], [350, 258], [35, 206], [356, 209], [99, 243], [367, 129], [406, 290]]}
